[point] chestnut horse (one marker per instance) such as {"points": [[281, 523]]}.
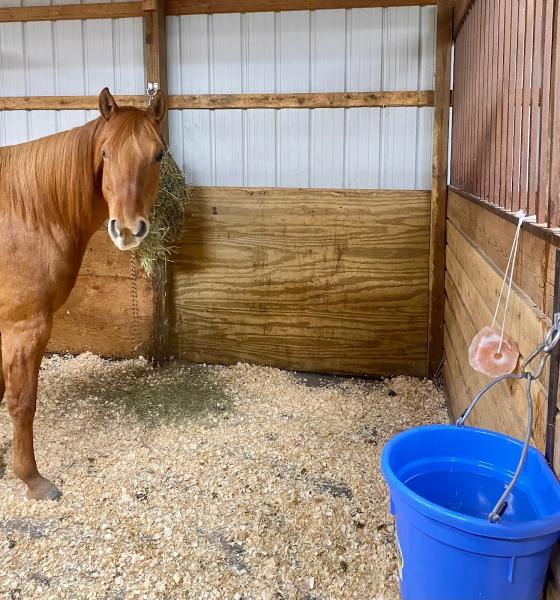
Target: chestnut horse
{"points": [[54, 194]]}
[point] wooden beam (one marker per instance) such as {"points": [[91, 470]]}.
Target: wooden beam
{"points": [[307, 100], [64, 102], [195, 7], [439, 185], [229, 101], [68, 12], [548, 234], [136, 8], [461, 8], [155, 59]]}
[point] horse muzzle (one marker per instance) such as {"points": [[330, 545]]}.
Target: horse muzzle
{"points": [[127, 238]]}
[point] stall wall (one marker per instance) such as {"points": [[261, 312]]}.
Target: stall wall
{"points": [[321, 51], [297, 258], [290, 223], [478, 246]]}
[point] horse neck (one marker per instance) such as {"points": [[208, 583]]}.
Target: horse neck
{"points": [[55, 182]]}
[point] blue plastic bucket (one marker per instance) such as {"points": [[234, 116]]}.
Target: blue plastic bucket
{"points": [[444, 480]]}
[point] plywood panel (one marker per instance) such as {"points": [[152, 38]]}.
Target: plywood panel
{"points": [[472, 287], [534, 273], [99, 314], [503, 408], [317, 280]]}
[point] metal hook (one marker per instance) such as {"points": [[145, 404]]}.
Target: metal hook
{"points": [[151, 91], [551, 338]]}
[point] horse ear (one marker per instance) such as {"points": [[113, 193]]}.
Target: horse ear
{"points": [[158, 107], [107, 104]]}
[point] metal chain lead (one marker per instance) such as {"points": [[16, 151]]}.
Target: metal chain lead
{"points": [[134, 294], [551, 338]]}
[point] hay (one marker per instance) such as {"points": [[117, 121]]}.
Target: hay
{"points": [[207, 483], [167, 216]]}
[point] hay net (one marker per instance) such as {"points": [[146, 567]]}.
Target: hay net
{"points": [[166, 218]]}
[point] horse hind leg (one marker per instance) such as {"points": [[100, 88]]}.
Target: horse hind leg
{"points": [[22, 351]]}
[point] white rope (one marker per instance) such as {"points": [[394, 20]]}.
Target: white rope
{"points": [[522, 216]]}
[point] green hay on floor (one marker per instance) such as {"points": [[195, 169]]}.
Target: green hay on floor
{"points": [[167, 216]]}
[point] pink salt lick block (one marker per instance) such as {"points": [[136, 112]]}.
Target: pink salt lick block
{"points": [[486, 356]]}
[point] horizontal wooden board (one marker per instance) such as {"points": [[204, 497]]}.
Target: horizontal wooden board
{"points": [[100, 10], [304, 100], [534, 271], [548, 234], [313, 280], [472, 287], [503, 408], [526, 324], [135, 8], [99, 315], [230, 101], [190, 7]]}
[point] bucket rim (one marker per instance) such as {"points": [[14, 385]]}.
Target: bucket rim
{"points": [[474, 525]]}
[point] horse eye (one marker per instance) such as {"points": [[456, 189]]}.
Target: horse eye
{"points": [[159, 157]]}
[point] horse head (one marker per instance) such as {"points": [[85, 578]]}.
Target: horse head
{"points": [[131, 151]]}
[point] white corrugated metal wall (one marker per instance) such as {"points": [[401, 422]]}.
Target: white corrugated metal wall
{"points": [[72, 58], [322, 51], [330, 50]]}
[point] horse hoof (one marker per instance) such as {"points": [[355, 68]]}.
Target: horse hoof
{"points": [[43, 490]]}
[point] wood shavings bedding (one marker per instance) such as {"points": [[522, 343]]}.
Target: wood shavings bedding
{"points": [[202, 482]]}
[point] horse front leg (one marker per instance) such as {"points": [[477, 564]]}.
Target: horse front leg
{"points": [[22, 350], [2, 384]]}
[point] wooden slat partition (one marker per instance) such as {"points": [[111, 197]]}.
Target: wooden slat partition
{"points": [[306, 279], [230, 101], [506, 110], [477, 252]]}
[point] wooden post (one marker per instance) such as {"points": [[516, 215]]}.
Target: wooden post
{"points": [[440, 153], [155, 56]]}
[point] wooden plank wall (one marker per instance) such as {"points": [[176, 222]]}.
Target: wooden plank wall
{"points": [[478, 245], [314, 280], [100, 315]]}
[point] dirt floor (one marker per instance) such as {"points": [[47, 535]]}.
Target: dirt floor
{"points": [[207, 482]]}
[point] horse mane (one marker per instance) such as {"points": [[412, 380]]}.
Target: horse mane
{"points": [[56, 180]]}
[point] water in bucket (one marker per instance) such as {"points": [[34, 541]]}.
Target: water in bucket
{"points": [[444, 481]]}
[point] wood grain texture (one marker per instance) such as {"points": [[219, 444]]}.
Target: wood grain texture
{"points": [[461, 8], [304, 100], [534, 272], [226, 101], [98, 315], [135, 8], [313, 280], [439, 185], [548, 234], [195, 7], [65, 102], [472, 287], [155, 59], [100, 10]]}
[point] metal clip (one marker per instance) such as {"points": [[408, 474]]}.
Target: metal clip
{"points": [[151, 91], [553, 336]]}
